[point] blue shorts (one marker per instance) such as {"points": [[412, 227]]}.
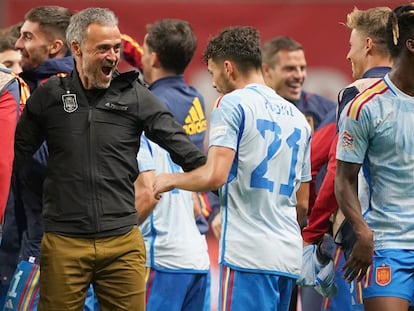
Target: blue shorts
{"points": [[175, 291], [23, 293], [246, 291], [391, 275]]}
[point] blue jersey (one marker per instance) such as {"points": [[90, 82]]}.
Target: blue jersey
{"points": [[315, 108], [172, 239], [377, 127], [271, 138], [346, 95], [351, 91], [185, 103]]}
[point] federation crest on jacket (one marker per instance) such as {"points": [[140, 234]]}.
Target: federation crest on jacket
{"points": [[69, 103]]}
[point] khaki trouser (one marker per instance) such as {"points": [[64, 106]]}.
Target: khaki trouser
{"points": [[115, 266]]}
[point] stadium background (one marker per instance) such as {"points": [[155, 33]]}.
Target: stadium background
{"points": [[318, 25]]}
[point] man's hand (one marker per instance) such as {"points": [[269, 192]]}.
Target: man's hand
{"points": [[361, 256], [216, 226], [163, 183]]}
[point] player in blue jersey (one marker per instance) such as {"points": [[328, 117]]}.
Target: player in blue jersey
{"points": [[258, 158], [169, 46], [376, 130], [370, 60], [177, 258]]}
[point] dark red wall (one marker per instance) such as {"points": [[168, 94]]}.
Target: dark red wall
{"points": [[316, 26]]}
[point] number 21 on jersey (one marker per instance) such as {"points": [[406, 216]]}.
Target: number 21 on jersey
{"points": [[258, 179]]}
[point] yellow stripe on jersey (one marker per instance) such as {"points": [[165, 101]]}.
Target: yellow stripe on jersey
{"points": [[35, 280], [24, 89], [134, 43], [147, 273], [226, 287], [356, 105], [204, 206]]}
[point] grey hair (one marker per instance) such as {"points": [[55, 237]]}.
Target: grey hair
{"points": [[80, 21]]}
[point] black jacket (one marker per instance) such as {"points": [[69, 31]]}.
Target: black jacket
{"points": [[89, 191]]}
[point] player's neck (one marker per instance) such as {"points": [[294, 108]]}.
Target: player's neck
{"points": [[379, 61], [252, 78], [159, 74], [402, 75]]}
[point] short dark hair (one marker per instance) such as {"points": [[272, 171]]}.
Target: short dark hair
{"points": [[274, 45], [52, 19], [400, 28], [240, 44], [174, 42], [7, 43], [13, 30]]}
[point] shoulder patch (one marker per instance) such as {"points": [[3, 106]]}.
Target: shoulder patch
{"points": [[365, 96]]}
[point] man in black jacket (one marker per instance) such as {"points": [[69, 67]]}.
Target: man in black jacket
{"points": [[92, 121]]}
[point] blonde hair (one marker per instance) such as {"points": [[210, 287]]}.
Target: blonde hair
{"points": [[372, 23]]}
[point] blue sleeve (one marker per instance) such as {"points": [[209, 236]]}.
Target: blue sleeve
{"points": [[144, 157], [226, 122], [353, 136], [306, 167]]}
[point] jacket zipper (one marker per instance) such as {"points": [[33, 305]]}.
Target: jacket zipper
{"points": [[92, 168]]}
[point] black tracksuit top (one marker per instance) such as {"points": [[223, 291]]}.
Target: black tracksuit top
{"points": [[92, 166]]}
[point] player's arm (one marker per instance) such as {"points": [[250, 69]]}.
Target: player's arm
{"points": [[216, 226], [302, 203], [209, 176], [144, 196], [346, 191], [29, 131]]}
